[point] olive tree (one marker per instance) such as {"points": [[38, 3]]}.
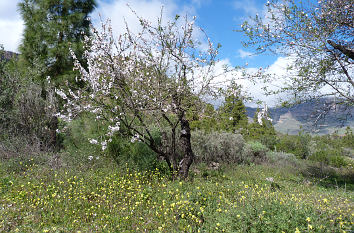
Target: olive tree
{"points": [[147, 79], [317, 37]]}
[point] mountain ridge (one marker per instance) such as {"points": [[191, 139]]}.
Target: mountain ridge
{"points": [[322, 116]]}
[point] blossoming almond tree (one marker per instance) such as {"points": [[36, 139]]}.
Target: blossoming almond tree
{"points": [[318, 39], [146, 79]]}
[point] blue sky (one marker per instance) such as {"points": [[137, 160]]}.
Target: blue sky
{"points": [[219, 19]]}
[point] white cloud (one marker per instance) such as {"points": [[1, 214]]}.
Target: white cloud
{"points": [[8, 9], [244, 54], [255, 87], [11, 32], [11, 25], [248, 6], [279, 67], [119, 13]]}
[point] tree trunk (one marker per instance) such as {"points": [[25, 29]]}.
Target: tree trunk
{"points": [[186, 147], [174, 151], [166, 153], [53, 126], [346, 50]]}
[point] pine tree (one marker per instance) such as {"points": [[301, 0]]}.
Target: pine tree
{"points": [[265, 132], [233, 114], [51, 28]]}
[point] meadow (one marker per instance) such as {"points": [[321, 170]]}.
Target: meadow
{"points": [[100, 196]]}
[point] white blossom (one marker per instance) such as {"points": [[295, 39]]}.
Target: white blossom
{"points": [[104, 145], [61, 94], [93, 141]]}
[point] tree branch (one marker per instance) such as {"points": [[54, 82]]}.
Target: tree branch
{"points": [[349, 52]]}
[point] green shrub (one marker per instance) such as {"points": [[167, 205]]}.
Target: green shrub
{"points": [[217, 147], [144, 159], [282, 158], [76, 135], [299, 145], [24, 112], [264, 133], [137, 155], [337, 161], [329, 157], [254, 152], [320, 156], [348, 139]]}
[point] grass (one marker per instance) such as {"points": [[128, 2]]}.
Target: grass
{"points": [[107, 198]]}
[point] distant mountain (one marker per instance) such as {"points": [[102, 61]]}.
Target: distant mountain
{"points": [[7, 55], [318, 117]]}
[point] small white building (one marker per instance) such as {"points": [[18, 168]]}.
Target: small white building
{"points": [[263, 114]]}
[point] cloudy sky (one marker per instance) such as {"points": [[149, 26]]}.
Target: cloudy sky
{"points": [[219, 18]]}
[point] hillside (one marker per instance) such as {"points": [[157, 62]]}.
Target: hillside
{"points": [[7, 55], [310, 117]]}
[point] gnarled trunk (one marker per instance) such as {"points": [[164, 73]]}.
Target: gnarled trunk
{"points": [[169, 144], [168, 152], [186, 147]]}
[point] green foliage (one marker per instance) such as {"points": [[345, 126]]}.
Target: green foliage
{"points": [[329, 157], [254, 152], [282, 159], [217, 147], [207, 121], [144, 159], [240, 200], [264, 133], [137, 155], [295, 144], [23, 111], [230, 117], [232, 114], [51, 28], [76, 135], [348, 139]]}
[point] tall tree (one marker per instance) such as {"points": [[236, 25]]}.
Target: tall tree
{"points": [[318, 39], [146, 80], [262, 129], [233, 113], [51, 28]]}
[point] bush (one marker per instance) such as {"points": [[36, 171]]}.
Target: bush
{"points": [[299, 145], [282, 158], [24, 113], [264, 133], [337, 161], [320, 156], [348, 138], [76, 135], [254, 152], [329, 157], [137, 155], [217, 147]]}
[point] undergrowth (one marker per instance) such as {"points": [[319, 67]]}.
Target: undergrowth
{"points": [[108, 198]]}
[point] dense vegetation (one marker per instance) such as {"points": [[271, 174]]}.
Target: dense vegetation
{"points": [[130, 145], [76, 192]]}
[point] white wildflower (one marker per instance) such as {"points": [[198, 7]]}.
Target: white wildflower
{"points": [[104, 145], [93, 141]]}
